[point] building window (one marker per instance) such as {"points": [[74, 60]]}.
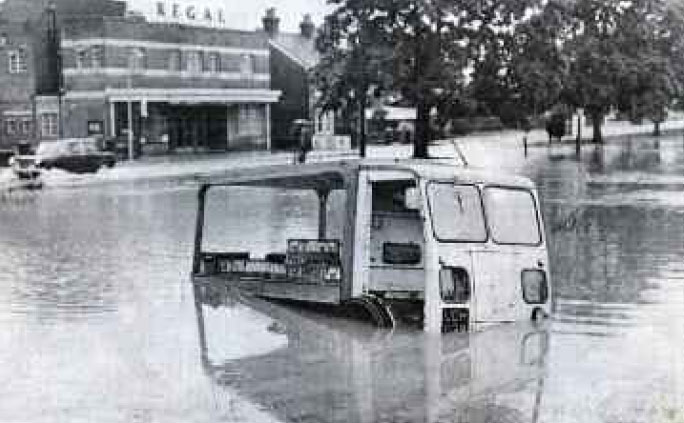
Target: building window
{"points": [[247, 65], [194, 63], [175, 60], [26, 127], [17, 61], [96, 56], [81, 59], [250, 121], [11, 127], [49, 125], [137, 58], [214, 63]]}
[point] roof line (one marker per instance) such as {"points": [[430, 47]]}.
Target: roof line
{"points": [[288, 53]]}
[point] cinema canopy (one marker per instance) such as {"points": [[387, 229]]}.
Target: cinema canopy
{"points": [[192, 87]]}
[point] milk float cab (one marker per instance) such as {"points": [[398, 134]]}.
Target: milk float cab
{"points": [[420, 241]]}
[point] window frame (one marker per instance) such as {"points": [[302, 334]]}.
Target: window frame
{"points": [[247, 65], [537, 220], [137, 59], [17, 61], [485, 223], [175, 60], [213, 62], [25, 126], [11, 127], [194, 62], [82, 58], [96, 57], [49, 121]]}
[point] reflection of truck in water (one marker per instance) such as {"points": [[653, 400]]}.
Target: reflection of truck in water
{"points": [[434, 244], [301, 365]]}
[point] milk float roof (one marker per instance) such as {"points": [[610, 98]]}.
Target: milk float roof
{"points": [[335, 174]]}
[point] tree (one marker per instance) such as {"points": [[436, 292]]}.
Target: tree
{"points": [[420, 51], [622, 54], [428, 59], [595, 59], [538, 66], [649, 82], [354, 60], [675, 23]]}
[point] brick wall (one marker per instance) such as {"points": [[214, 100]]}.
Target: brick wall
{"points": [[167, 50], [290, 78], [17, 83]]}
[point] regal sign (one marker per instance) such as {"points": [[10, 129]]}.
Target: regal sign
{"points": [[206, 15]]}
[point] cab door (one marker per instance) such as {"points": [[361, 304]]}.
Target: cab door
{"points": [[516, 246], [457, 227], [496, 286], [389, 244]]}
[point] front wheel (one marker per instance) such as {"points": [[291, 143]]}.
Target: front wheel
{"points": [[370, 308]]}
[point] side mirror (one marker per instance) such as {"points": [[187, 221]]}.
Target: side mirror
{"points": [[413, 199]]}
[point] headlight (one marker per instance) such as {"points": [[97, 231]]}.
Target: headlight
{"points": [[454, 285], [535, 287]]}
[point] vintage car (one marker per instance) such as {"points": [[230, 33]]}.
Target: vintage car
{"points": [[24, 167], [77, 155]]}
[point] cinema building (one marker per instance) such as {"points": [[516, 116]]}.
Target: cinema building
{"points": [[189, 88]]}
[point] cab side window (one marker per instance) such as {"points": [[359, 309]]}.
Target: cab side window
{"points": [[391, 196]]}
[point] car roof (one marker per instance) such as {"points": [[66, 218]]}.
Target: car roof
{"points": [[62, 141]]}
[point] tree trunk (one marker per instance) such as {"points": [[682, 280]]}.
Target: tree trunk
{"points": [[578, 140], [422, 134], [596, 123], [362, 126], [656, 129]]}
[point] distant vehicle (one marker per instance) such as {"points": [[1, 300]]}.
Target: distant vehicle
{"points": [[77, 155], [5, 156], [24, 167], [555, 126], [417, 240]]}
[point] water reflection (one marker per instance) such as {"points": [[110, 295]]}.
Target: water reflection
{"points": [[302, 365], [99, 322]]}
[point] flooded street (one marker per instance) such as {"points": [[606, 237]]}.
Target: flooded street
{"points": [[99, 320]]}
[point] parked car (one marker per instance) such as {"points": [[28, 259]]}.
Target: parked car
{"points": [[77, 155], [24, 167], [5, 157], [22, 161]]}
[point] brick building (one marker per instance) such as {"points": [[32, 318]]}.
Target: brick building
{"points": [[193, 88], [293, 57], [18, 83], [29, 77], [190, 87]]}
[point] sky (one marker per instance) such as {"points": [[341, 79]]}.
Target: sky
{"points": [[245, 14]]}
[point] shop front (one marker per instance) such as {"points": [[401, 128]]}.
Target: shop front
{"points": [[168, 125]]}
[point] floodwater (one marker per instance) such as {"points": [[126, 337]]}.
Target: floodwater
{"points": [[99, 320]]}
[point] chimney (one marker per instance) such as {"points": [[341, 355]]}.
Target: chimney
{"points": [[271, 22], [307, 27]]}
